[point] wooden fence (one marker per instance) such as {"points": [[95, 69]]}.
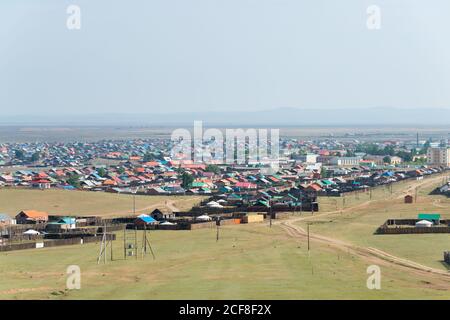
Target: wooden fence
{"points": [[54, 243], [423, 230], [407, 226], [226, 222], [314, 206]]}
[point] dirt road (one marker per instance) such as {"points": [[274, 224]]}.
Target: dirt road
{"points": [[440, 277]]}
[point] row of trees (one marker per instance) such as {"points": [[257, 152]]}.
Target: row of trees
{"points": [[187, 179], [373, 149], [19, 154], [389, 151]]}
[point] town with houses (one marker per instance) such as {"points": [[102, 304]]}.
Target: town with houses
{"points": [[307, 169], [146, 166]]}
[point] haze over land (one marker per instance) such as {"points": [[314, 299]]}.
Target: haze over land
{"points": [[381, 116]]}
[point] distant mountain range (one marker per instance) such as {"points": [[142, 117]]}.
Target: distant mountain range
{"points": [[279, 116]]}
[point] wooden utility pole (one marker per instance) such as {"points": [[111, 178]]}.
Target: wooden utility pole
{"points": [[308, 234], [111, 248], [125, 242], [144, 241], [135, 242], [270, 213], [134, 191], [106, 243], [217, 234], [10, 239]]}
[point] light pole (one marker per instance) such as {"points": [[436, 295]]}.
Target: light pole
{"points": [[217, 226], [307, 227], [134, 191], [270, 213]]}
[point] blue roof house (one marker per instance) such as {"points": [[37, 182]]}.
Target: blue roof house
{"points": [[145, 220]]}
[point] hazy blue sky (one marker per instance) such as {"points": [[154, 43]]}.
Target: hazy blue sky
{"points": [[195, 55]]}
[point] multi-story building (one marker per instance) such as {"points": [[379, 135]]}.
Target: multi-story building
{"points": [[395, 160], [438, 156], [308, 158], [345, 161], [377, 160]]}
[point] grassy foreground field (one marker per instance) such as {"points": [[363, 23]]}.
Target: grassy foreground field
{"points": [[60, 202], [248, 262]]}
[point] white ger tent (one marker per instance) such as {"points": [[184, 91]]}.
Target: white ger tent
{"points": [[424, 224], [167, 223], [203, 218], [31, 232]]}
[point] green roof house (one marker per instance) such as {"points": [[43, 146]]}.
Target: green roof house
{"points": [[433, 217]]}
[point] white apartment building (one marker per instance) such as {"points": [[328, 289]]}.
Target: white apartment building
{"points": [[345, 161], [439, 156]]}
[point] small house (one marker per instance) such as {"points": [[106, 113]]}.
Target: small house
{"points": [[156, 191], [41, 183], [6, 220], [31, 217], [145, 220], [409, 198], [312, 188], [252, 218], [7, 179], [63, 223], [159, 215]]}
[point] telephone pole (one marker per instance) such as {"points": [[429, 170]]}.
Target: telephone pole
{"points": [[134, 191], [307, 227], [270, 213], [217, 234]]}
